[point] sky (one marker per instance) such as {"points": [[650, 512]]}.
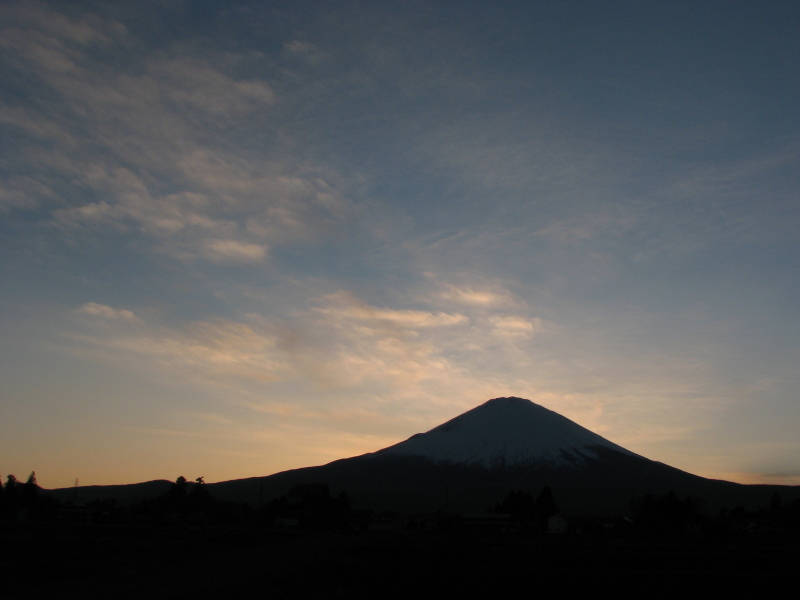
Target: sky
{"points": [[238, 238]]}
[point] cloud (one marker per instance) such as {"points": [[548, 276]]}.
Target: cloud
{"points": [[227, 215], [189, 84], [340, 343], [345, 305], [231, 250], [410, 355], [22, 192], [54, 41], [513, 326], [491, 297], [106, 312], [214, 352], [306, 51], [158, 145]]}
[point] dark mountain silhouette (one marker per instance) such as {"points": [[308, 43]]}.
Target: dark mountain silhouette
{"points": [[124, 493], [473, 461]]}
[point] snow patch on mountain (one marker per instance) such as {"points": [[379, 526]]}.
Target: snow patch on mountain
{"points": [[506, 432]]}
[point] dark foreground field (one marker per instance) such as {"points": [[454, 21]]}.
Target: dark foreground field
{"points": [[58, 560]]}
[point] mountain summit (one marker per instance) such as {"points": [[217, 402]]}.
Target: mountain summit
{"points": [[506, 432]]}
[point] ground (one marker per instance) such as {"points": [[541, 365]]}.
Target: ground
{"points": [[101, 561]]}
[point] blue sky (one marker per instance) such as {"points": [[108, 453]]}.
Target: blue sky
{"points": [[246, 238]]}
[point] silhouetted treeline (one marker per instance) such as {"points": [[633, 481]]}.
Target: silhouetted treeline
{"points": [[312, 507], [309, 506], [23, 501], [526, 512], [668, 516]]}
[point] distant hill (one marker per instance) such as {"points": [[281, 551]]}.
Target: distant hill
{"points": [[125, 493]]}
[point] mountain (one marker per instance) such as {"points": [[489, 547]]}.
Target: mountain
{"points": [[473, 461]]}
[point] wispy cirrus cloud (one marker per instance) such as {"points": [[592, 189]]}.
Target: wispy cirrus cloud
{"points": [[206, 352], [345, 305], [514, 326], [339, 343], [484, 295], [106, 312], [398, 352], [151, 145], [234, 251]]}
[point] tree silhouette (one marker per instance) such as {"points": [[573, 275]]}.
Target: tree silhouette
{"points": [[316, 508], [11, 487], [545, 508], [545, 505], [665, 515], [174, 501], [199, 498], [178, 489], [526, 511], [10, 495], [30, 491], [519, 505]]}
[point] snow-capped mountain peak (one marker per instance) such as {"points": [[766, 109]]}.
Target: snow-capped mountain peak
{"points": [[505, 432]]}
